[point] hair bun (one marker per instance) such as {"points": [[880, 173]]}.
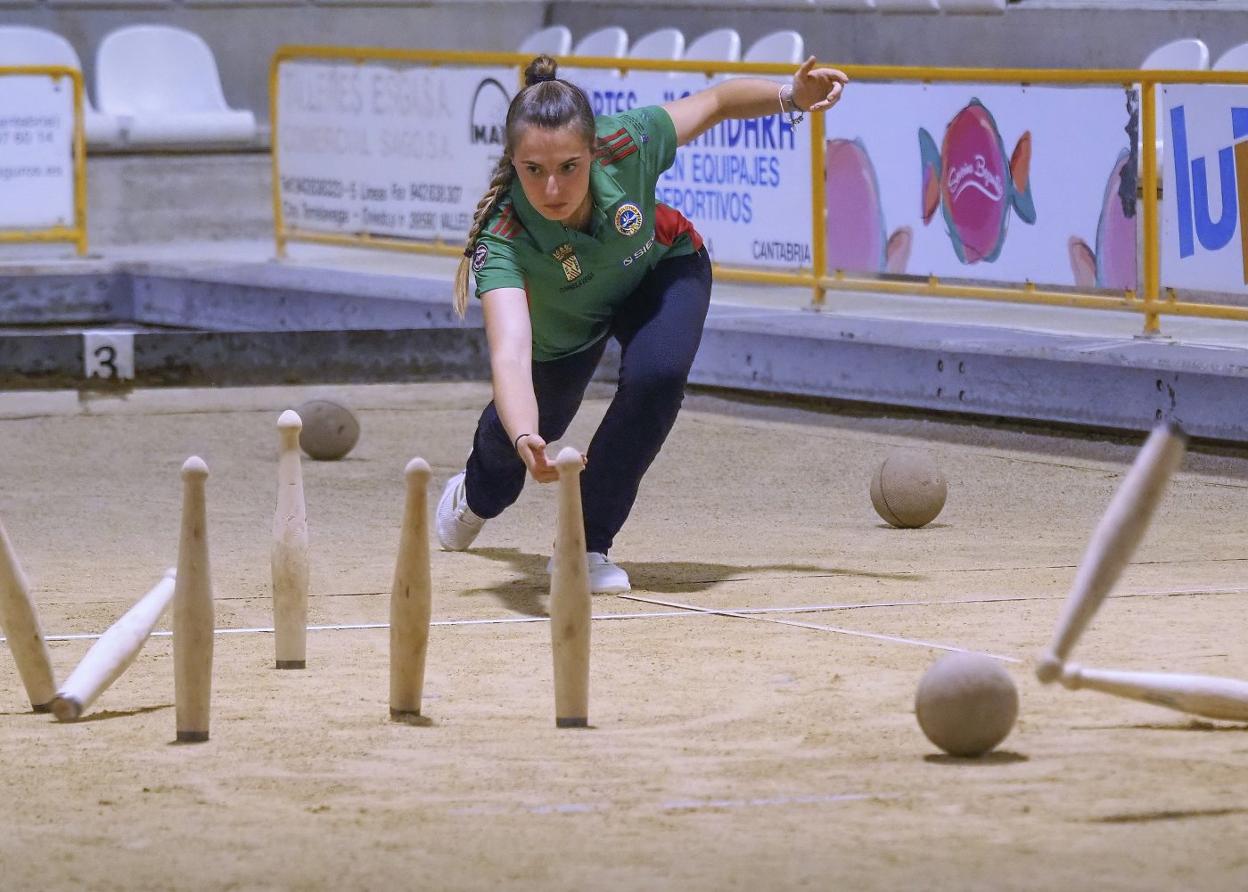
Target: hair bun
{"points": [[540, 70]]}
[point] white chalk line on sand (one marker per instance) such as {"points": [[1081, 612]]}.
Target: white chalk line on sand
{"points": [[692, 611], [891, 639], [513, 620], [677, 805]]}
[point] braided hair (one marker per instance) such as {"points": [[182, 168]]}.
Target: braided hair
{"points": [[548, 102]]}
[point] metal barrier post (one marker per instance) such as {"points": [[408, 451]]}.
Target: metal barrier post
{"points": [[818, 209], [80, 166], [1152, 247], [279, 219]]}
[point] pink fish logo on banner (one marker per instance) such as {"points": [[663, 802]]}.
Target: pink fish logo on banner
{"points": [[1113, 264], [975, 186], [856, 234]]}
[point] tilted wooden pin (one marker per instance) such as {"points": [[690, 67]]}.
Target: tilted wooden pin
{"points": [[21, 629]]}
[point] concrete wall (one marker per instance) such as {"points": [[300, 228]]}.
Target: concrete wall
{"points": [[244, 34], [141, 199]]}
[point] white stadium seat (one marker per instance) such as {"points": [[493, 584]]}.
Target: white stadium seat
{"points": [[554, 41], [907, 5], [779, 46], [1234, 59], [972, 6], [665, 43], [165, 80], [1187, 54], [720, 45], [21, 45], [609, 42]]}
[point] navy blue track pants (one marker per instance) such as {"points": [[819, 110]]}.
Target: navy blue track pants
{"points": [[659, 328]]}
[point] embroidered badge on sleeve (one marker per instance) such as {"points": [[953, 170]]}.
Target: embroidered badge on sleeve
{"points": [[479, 256]]}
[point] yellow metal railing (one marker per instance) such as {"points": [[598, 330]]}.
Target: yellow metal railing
{"points": [[819, 278], [76, 234]]}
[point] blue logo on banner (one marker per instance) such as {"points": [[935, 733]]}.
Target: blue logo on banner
{"points": [[1191, 187]]}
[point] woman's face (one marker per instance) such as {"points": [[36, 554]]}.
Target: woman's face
{"points": [[553, 168]]}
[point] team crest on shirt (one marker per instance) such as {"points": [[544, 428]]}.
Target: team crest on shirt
{"points": [[566, 255], [480, 256], [628, 219]]}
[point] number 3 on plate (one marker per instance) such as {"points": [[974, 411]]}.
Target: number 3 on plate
{"points": [[108, 355]]}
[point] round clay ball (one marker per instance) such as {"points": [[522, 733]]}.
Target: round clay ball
{"points": [[966, 704], [908, 489], [330, 430]]}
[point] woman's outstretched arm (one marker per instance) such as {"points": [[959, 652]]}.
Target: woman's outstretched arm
{"points": [[813, 90]]}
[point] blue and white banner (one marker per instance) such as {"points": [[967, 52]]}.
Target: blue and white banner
{"points": [[745, 185], [36, 152], [1204, 232]]}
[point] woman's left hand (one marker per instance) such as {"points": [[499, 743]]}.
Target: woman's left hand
{"points": [[817, 89]]}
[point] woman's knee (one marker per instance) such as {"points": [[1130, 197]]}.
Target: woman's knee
{"points": [[659, 383]]}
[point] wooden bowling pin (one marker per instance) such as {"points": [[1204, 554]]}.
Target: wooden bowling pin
{"points": [[570, 606], [112, 654], [290, 550], [410, 598], [1120, 530], [1205, 695], [192, 610], [21, 628]]}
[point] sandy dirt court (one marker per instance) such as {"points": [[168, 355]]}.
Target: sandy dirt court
{"points": [[725, 753]]}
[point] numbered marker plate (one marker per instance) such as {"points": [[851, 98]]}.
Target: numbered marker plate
{"points": [[108, 355]]}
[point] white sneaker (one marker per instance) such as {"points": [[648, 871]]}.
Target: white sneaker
{"points": [[457, 525], [605, 577]]}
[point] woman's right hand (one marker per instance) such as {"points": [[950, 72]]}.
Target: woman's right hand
{"points": [[532, 450]]}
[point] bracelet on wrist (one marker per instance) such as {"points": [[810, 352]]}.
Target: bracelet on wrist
{"points": [[795, 113], [515, 444], [793, 102]]}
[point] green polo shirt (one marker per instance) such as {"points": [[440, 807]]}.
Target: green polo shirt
{"points": [[577, 281]]}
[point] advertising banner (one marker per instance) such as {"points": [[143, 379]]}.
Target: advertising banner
{"points": [[984, 182], [36, 152], [388, 150], [745, 185], [1204, 208], [989, 182]]}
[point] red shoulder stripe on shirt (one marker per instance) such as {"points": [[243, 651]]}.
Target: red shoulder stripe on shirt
{"points": [[620, 155], [507, 228], [613, 136], [504, 221], [612, 148]]}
